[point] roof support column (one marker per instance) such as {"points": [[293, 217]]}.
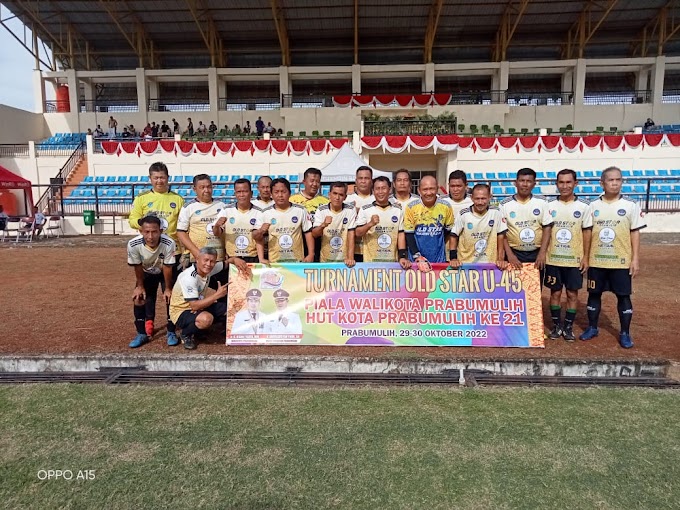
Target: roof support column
{"points": [[38, 91], [285, 87], [428, 78], [356, 79], [499, 82], [580, 82], [142, 98], [74, 96], [88, 88], [213, 90], [568, 83], [658, 73]]}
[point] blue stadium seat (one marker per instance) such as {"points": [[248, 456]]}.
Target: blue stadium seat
{"points": [[89, 178], [223, 178], [675, 172], [496, 190], [99, 178], [133, 178], [121, 178], [144, 178], [663, 173], [188, 178]]}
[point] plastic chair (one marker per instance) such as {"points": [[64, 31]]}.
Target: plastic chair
{"points": [[25, 230], [53, 227]]}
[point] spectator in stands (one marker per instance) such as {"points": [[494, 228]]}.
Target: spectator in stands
{"points": [[202, 129], [193, 225], [224, 131], [526, 217], [89, 132], [649, 124], [190, 127], [212, 129], [614, 258], [132, 130], [237, 130], [113, 124], [152, 255], [363, 185], [286, 224], [427, 223], [565, 265], [165, 204], [236, 223], [380, 225], [98, 133], [279, 132], [146, 133], [264, 190], [259, 126], [478, 232], [175, 127], [154, 130], [335, 223], [126, 133], [402, 188], [247, 129], [269, 129], [458, 198], [165, 130], [194, 305]]}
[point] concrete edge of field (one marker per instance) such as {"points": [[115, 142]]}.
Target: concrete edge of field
{"points": [[337, 364]]}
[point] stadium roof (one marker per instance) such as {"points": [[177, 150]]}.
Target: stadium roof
{"points": [[109, 35]]}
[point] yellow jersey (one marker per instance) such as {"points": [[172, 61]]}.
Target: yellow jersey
{"points": [[164, 205]]}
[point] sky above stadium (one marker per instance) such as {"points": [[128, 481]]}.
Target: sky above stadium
{"points": [[16, 78]]}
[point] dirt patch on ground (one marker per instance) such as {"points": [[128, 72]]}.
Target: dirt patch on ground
{"points": [[72, 295]]}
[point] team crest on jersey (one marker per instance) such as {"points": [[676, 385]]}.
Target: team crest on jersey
{"points": [[513, 214], [491, 222], [294, 219], [232, 220], [469, 226], [621, 212], [197, 213], [537, 212], [596, 213], [150, 204], [173, 205], [577, 214], [553, 214], [161, 256], [273, 221], [395, 219], [252, 221], [344, 221]]}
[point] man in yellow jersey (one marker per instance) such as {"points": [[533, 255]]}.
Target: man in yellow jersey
{"points": [[381, 225], [478, 232], [362, 195], [237, 223], [152, 255], [196, 220], [194, 305], [565, 260], [287, 224], [402, 188], [427, 221], [334, 223], [264, 191], [614, 257], [310, 198], [525, 216], [166, 205], [458, 197], [159, 201]]}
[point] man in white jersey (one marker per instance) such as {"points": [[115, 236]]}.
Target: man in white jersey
{"points": [[565, 261], [152, 255], [525, 216], [264, 191], [381, 225], [402, 188], [458, 198], [287, 225], [236, 223], [362, 195], [478, 232], [334, 223], [614, 257], [194, 305], [197, 218]]}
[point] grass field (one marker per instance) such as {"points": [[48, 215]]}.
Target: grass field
{"points": [[269, 448]]}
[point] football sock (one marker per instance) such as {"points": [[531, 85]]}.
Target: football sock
{"points": [[625, 308], [594, 305], [556, 314], [569, 318], [140, 318]]}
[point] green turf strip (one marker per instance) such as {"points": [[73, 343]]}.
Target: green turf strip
{"points": [[271, 447]]}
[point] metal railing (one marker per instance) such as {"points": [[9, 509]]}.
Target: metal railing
{"points": [[112, 105], [236, 104], [617, 97], [179, 104], [671, 96], [539, 98], [13, 150], [54, 194], [409, 127], [309, 101]]}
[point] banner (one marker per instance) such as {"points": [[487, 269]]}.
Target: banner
{"points": [[383, 304]]}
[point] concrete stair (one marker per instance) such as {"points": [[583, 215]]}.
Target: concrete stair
{"points": [[79, 172]]}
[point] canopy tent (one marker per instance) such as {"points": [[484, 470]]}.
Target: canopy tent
{"points": [[10, 181], [343, 167]]}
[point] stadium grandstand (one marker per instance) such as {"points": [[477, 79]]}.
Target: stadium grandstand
{"points": [[487, 87]]}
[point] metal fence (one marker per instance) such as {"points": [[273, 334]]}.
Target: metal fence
{"points": [[409, 127], [617, 97], [109, 105], [14, 150], [54, 195], [235, 104], [179, 104]]}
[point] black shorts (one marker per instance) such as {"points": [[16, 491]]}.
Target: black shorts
{"points": [[187, 317], [617, 281], [525, 256], [557, 277]]}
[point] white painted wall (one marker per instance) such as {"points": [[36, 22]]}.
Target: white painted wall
{"points": [[20, 126]]}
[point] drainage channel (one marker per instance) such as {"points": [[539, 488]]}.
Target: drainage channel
{"points": [[121, 376]]}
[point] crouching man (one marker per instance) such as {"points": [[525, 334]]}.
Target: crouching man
{"points": [[194, 305]]}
